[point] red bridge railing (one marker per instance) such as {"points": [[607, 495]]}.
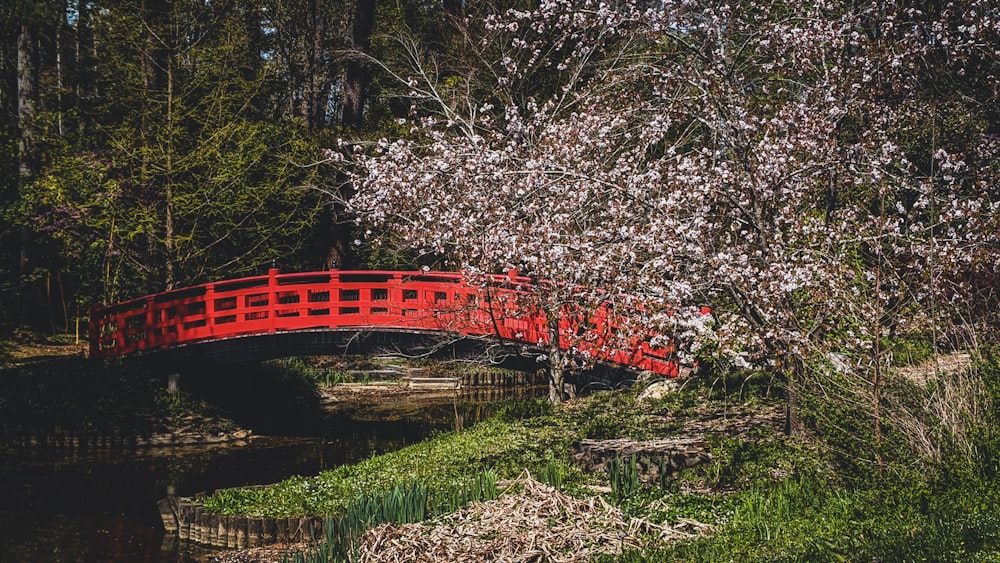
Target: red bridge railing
{"points": [[438, 302]]}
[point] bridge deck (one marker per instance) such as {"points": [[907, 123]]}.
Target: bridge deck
{"points": [[427, 302]]}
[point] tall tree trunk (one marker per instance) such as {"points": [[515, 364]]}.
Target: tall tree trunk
{"points": [[358, 74], [27, 107], [60, 78], [9, 158], [357, 77], [168, 188], [84, 84], [316, 88], [334, 232], [27, 100], [156, 15]]}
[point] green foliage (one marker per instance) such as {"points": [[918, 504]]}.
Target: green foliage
{"points": [[6, 353], [985, 433], [800, 519], [336, 377], [164, 160], [623, 473], [739, 462], [448, 465], [481, 487], [671, 507], [523, 409], [602, 427], [290, 368], [788, 501], [552, 473], [176, 405], [399, 505], [909, 351], [66, 211]]}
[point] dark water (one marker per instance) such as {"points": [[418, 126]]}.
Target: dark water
{"points": [[101, 505]]}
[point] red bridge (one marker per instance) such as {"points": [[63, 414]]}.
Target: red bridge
{"points": [[285, 314]]}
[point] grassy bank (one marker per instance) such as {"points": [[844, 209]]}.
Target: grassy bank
{"points": [[765, 496], [447, 464]]}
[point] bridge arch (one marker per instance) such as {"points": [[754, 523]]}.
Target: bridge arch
{"points": [[275, 315]]}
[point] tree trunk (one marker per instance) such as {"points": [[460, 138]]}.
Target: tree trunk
{"points": [[84, 84], [316, 88], [334, 233], [794, 426], [557, 375], [557, 357], [168, 188], [27, 100], [156, 79], [358, 74]]}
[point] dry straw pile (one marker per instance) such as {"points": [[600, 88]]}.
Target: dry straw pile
{"points": [[536, 523]]}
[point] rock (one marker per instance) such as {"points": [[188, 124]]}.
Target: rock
{"points": [[660, 389], [652, 456]]}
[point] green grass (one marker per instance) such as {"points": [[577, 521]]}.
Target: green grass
{"points": [[802, 520], [445, 464], [525, 435]]}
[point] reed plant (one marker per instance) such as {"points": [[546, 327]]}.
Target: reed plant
{"points": [[488, 479], [336, 377], [623, 473], [399, 505], [481, 488], [552, 474], [764, 512], [663, 472]]}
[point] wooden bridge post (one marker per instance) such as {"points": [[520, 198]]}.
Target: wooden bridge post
{"points": [[151, 320], [272, 298], [93, 331], [210, 308], [333, 287]]}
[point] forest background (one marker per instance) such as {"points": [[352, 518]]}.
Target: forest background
{"points": [[149, 145]]}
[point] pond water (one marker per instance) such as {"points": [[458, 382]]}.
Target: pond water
{"points": [[100, 505]]}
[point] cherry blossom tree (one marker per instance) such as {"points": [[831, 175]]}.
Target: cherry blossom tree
{"points": [[755, 157]]}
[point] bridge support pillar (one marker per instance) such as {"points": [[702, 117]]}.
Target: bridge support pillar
{"points": [[173, 382]]}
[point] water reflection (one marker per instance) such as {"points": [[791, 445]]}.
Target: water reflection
{"points": [[100, 505]]}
